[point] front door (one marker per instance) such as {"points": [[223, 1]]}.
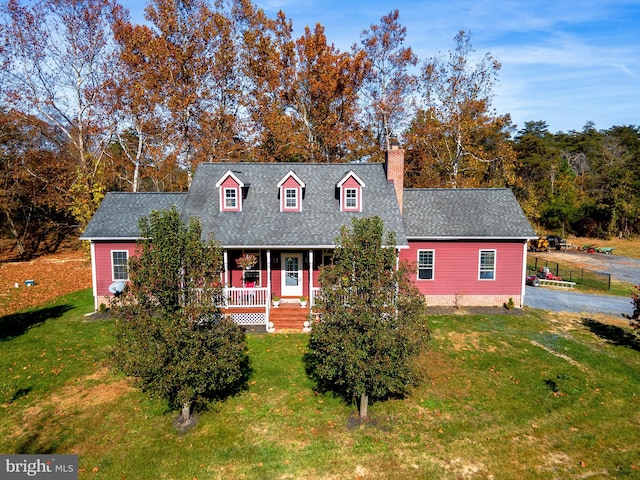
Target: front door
{"points": [[291, 274]]}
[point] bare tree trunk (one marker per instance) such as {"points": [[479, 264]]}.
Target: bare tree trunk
{"points": [[186, 411], [364, 407], [14, 232]]}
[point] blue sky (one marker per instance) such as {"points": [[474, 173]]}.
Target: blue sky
{"points": [[565, 62]]}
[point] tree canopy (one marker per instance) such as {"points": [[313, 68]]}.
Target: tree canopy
{"points": [[371, 324], [171, 334], [136, 106]]}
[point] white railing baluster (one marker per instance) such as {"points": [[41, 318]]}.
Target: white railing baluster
{"points": [[245, 297]]}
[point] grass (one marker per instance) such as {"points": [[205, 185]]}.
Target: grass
{"points": [[520, 396]]}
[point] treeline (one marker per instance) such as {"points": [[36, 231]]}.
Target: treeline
{"points": [[583, 182], [91, 102]]}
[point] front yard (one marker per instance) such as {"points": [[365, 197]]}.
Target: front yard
{"points": [[521, 396]]}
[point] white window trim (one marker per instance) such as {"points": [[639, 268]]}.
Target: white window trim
{"points": [[495, 263], [433, 265], [343, 196], [113, 273], [237, 185], [356, 198], [285, 190], [235, 197]]}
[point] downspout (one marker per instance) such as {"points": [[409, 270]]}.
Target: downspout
{"points": [[524, 272], [397, 285], [94, 281]]}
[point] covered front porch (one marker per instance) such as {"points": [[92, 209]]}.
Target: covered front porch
{"points": [[271, 288]]}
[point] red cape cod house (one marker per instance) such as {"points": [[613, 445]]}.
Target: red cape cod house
{"points": [[468, 246]]}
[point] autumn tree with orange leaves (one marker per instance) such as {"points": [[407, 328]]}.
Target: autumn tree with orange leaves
{"points": [[34, 200], [181, 81], [304, 93]]}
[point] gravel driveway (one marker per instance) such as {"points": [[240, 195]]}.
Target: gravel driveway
{"points": [[567, 301], [624, 269]]}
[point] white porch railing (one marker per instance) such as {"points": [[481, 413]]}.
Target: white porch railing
{"points": [[314, 293], [245, 297]]}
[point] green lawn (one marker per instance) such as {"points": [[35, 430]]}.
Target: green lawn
{"points": [[524, 396]]}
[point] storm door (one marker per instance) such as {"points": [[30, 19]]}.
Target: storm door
{"points": [[291, 274]]}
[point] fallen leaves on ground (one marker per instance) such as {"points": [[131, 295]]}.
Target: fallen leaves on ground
{"points": [[54, 275]]}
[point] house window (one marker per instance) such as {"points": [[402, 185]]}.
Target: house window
{"points": [[290, 198], [350, 188], [425, 264], [252, 274], [327, 257], [351, 198], [230, 198], [487, 265], [119, 260]]}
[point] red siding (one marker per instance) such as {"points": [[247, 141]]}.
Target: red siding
{"points": [[456, 268], [102, 261]]}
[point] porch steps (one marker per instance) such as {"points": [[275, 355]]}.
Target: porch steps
{"points": [[289, 316]]}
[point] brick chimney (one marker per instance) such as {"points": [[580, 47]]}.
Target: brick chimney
{"points": [[394, 164]]}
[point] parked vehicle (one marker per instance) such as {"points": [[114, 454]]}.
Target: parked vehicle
{"points": [[543, 274], [546, 274], [533, 280], [556, 241], [539, 245]]}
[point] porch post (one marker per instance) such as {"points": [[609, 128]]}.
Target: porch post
{"points": [[310, 275], [226, 267], [268, 309]]}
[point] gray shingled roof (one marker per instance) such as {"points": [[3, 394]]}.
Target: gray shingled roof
{"points": [[428, 213], [119, 213], [261, 223], [464, 213]]}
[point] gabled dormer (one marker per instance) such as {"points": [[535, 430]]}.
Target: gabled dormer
{"points": [[350, 188], [291, 190], [230, 190]]}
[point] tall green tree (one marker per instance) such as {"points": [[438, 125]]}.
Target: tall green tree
{"points": [[537, 153], [559, 208], [170, 332], [372, 325]]}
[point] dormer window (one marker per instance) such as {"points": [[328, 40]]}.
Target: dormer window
{"points": [[290, 198], [230, 188], [231, 198], [350, 188], [350, 198], [291, 188]]}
